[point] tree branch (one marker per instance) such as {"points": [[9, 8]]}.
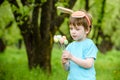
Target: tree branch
{"points": [[13, 2], [58, 20]]}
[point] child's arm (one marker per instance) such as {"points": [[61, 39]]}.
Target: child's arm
{"points": [[86, 63]]}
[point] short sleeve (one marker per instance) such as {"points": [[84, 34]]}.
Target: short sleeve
{"points": [[68, 48], [91, 51]]}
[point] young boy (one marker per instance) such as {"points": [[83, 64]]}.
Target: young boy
{"points": [[79, 56]]}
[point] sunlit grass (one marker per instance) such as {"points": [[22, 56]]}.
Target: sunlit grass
{"points": [[107, 66], [14, 66]]}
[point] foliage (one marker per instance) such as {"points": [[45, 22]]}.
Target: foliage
{"points": [[4, 18], [80, 4], [9, 34], [111, 21], [14, 66]]}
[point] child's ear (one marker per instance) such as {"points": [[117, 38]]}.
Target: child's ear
{"points": [[87, 31]]}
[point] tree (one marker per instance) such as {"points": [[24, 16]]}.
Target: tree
{"points": [[103, 28], [38, 28], [99, 32], [5, 24], [38, 21]]}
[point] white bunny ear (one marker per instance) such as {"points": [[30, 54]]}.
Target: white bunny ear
{"points": [[65, 10]]}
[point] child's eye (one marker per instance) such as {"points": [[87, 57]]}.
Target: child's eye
{"points": [[71, 28], [77, 29]]}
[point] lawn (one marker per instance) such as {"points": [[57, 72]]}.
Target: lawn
{"points": [[13, 66]]}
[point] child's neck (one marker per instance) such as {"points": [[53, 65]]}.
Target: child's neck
{"points": [[82, 39]]}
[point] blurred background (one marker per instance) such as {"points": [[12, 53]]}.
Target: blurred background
{"points": [[27, 29]]}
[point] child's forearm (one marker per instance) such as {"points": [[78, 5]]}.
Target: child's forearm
{"points": [[87, 63]]}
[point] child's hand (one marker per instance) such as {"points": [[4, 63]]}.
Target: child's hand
{"points": [[66, 55], [64, 60]]}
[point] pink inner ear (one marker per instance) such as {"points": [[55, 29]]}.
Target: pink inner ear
{"points": [[78, 14]]}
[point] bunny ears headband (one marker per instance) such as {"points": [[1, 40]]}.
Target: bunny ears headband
{"points": [[76, 14]]}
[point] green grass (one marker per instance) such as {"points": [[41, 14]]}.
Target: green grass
{"points": [[108, 66], [14, 66]]}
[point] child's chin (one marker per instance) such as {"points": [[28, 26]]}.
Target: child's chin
{"points": [[75, 39]]}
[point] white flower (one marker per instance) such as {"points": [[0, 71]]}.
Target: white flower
{"points": [[61, 39], [55, 39]]}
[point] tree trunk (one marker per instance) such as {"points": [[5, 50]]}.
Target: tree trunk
{"points": [[38, 39], [46, 36], [2, 46], [86, 5], [106, 43], [38, 53]]}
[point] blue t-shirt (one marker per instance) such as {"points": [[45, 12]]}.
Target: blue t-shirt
{"points": [[83, 49]]}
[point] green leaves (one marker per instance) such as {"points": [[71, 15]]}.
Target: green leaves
{"points": [[10, 34], [5, 17]]}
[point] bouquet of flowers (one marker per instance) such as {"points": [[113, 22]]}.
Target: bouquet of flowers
{"points": [[61, 40]]}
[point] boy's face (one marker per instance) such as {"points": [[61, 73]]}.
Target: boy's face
{"points": [[78, 33]]}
